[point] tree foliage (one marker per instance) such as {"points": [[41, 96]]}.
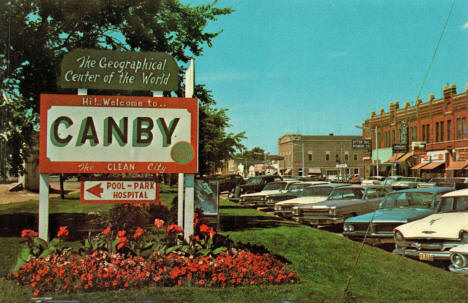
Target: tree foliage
{"points": [[35, 35]]}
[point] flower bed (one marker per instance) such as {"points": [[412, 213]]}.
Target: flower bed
{"points": [[152, 257]]}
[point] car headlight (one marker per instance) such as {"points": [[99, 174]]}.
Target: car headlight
{"points": [[398, 236], [263, 198], [458, 260], [332, 212], [350, 227], [464, 237]]}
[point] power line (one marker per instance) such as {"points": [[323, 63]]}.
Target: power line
{"points": [[435, 51]]}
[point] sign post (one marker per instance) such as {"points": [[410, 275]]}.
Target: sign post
{"points": [[189, 178]]}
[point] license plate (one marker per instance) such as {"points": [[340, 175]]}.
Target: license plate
{"points": [[425, 257]]}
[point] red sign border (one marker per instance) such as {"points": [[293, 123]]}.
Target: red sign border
{"points": [[46, 166], [83, 201]]}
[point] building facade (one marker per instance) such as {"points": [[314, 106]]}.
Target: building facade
{"points": [[321, 155], [425, 139]]}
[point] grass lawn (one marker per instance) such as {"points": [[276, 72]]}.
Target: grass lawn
{"points": [[323, 259]]}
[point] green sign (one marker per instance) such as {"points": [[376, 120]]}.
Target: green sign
{"points": [[115, 70]]}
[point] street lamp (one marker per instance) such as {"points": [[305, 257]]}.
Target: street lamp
{"points": [[302, 144], [376, 144]]}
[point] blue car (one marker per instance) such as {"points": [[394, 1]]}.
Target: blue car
{"points": [[397, 208]]}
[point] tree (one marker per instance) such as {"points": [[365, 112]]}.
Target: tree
{"points": [[250, 157], [35, 35]]}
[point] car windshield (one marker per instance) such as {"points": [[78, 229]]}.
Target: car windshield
{"points": [[316, 191], [454, 204], [297, 187], [346, 193], [275, 185], [253, 181], [407, 200]]}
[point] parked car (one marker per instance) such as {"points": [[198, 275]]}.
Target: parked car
{"points": [[294, 191], [342, 203], [432, 237], [310, 194], [405, 183], [373, 180], [227, 183], [455, 182], [459, 259], [388, 181], [396, 208], [253, 185], [355, 179], [260, 198]]}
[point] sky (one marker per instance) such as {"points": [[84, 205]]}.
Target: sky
{"points": [[317, 67]]}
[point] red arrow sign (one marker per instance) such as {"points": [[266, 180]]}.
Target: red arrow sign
{"points": [[96, 190]]}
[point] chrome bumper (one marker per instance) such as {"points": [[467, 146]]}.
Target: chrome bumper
{"points": [[458, 270], [423, 255]]}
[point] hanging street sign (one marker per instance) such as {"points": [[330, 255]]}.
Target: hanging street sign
{"points": [[116, 70], [118, 134], [111, 191]]}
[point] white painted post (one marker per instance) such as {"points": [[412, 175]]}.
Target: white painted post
{"points": [[180, 200], [189, 178], [44, 206], [189, 205]]}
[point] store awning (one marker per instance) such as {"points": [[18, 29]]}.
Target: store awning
{"points": [[418, 166], [394, 158], [404, 158], [314, 170], [457, 165], [432, 165]]}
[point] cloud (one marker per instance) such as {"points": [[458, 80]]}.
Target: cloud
{"points": [[465, 26]]}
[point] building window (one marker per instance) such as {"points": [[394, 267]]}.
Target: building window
{"points": [[327, 156], [449, 130], [337, 157], [346, 157], [310, 155], [441, 131], [356, 171], [415, 133], [464, 128], [459, 129], [427, 133], [393, 137], [424, 132], [355, 157], [437, 132]]}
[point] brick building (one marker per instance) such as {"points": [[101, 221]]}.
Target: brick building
{"points": [[320, 155], [426, 139]]}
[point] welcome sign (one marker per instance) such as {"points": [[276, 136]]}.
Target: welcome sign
{"points": [[118, 134]]}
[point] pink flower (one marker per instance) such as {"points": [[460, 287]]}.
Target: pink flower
{"points": [[158, 223]]}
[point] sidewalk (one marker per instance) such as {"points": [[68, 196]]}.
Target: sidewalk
{"points": [[23, 195]]}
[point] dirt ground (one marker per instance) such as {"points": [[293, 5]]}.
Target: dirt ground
{"points": [[23, 195]]}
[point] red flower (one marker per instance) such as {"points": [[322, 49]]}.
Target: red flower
{"points": [[122, 242], [201, 282], [36, 293], [158, 223], [173, 228], [121, 233], [212, 232], [107, 230], [28, 233], [139, 231], [204, 229], [63, 232]]}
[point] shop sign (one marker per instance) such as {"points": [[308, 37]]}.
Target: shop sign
{"points": [[365, 144], [120, 191], [399, 148], [463, 155], [116, 70], [435, 156], [115, 134]]}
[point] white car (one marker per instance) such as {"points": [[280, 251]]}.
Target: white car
{"points": [[432, 237], [260, 198], [459, 258], [373, 180], [310, 194]]}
